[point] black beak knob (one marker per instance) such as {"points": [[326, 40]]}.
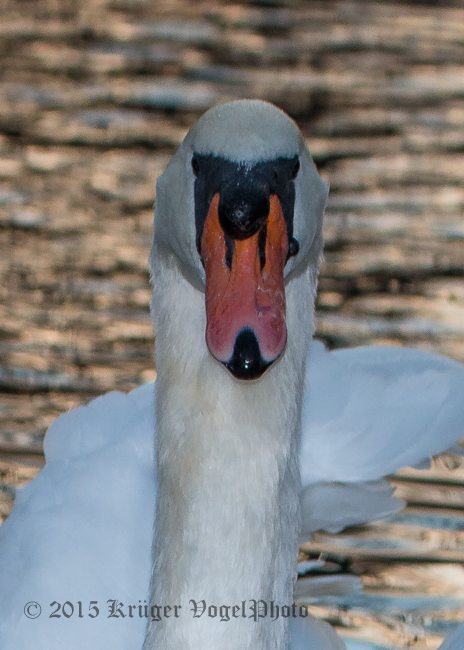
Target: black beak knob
{"points": [[241, 212]]}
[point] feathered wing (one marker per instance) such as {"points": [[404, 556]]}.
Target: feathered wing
{"points": [[334, 506], [312, 634], [82, 530], [455, 641], [368, 412]]}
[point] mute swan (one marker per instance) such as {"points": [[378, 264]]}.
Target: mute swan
{"points": [[227, 476]]}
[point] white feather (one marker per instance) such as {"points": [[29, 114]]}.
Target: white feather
{"points": [[386, 408], [82, 529], [455, 641], [227, 515]]}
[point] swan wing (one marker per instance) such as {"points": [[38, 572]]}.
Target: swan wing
{"points": [[369, 411], [66, 539], [334, 506], [455, 641], [310, 632]]}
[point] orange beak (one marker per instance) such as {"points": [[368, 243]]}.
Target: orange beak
{"points": [[245, 293]]}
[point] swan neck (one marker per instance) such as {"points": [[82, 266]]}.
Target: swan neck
{"points": [[227, 517]]}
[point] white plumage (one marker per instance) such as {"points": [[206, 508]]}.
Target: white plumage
{"points": [[82, 529], [227, 504]]}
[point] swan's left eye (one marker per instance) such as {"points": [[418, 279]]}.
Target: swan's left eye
{"points": [[195, 165], [295, 170], [293, 248]]}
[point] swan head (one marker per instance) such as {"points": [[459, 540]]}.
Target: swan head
{"points": [[239, 209]]}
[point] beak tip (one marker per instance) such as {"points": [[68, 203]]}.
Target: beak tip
{"points": [[247, 361]]}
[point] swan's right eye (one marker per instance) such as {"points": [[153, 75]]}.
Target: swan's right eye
{"points": [[195, 165], [295, 170]]}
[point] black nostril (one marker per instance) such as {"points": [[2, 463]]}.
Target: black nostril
{"points": [[246, 361], [262, 237], [229, 251]]}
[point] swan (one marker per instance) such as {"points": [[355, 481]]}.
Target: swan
{"points": [[244, 456]]}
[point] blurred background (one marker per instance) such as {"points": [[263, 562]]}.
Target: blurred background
{"points": [[96, 95]]}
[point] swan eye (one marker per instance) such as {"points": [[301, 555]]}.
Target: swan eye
{"points": [[293, 249], [195, 165], [295, 170]]}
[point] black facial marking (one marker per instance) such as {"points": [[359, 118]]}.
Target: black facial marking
{"points": [[244, 193]]}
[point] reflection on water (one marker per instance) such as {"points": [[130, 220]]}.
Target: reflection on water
{"points": [[428, 521], [401, 605], [355, 644]]}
